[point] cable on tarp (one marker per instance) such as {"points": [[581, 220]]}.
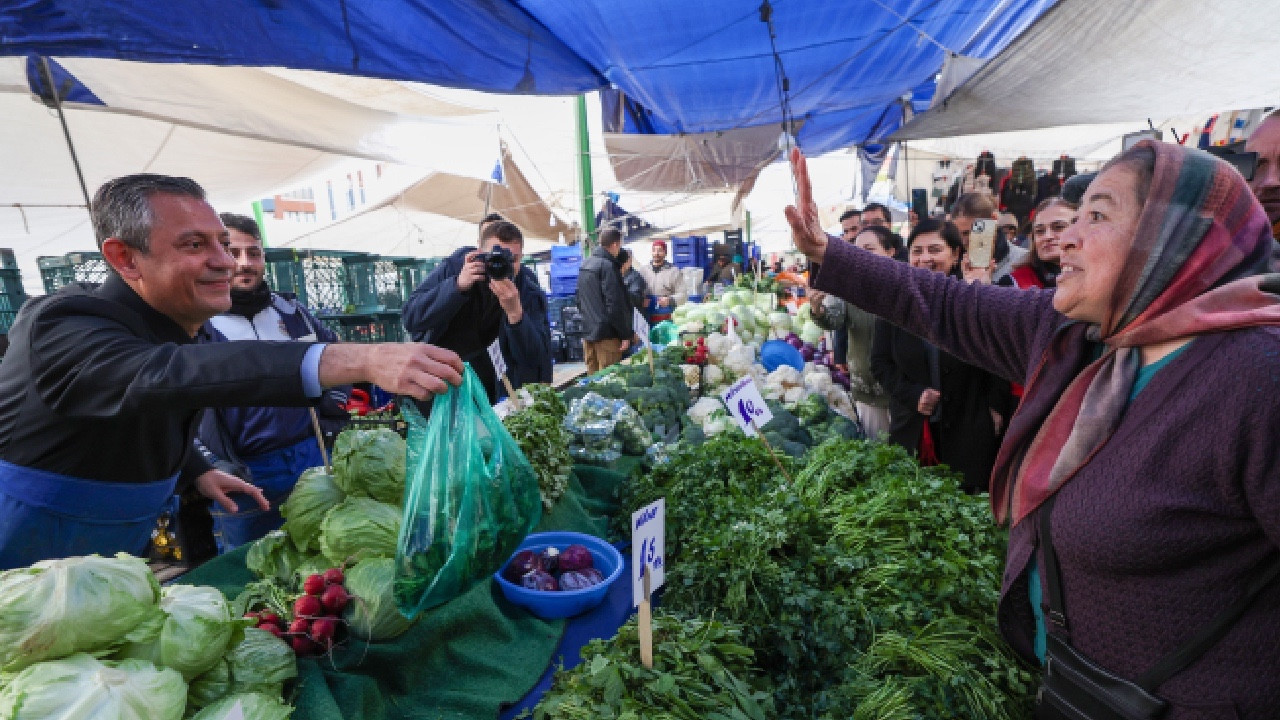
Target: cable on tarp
{"points": [[784, 85]]}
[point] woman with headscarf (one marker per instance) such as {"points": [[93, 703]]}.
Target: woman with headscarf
{"points": [[941, 409], [1145, 452]]}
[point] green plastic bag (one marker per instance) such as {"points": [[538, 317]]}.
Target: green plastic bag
{"points": [[471, 497]]}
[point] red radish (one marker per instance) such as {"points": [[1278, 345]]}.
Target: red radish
{"points": [[273, 629], [323, 630], [334, 576], [334, 599], [314, 585], [299, 626], [308, 606], [269, 617], [252, 615], [303, 645]]}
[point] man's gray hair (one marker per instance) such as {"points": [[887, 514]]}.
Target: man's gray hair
{"points": [[122, 207]]}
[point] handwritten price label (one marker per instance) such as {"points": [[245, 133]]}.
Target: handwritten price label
{"points": [[746, 406], [648, 544], [641, 326], [499, 362]]}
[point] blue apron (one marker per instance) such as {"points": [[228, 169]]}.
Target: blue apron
{"points": [[44, 515]]}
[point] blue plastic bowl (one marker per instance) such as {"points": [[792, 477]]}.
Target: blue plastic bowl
{"points": [[555, 604], [776, 353]]}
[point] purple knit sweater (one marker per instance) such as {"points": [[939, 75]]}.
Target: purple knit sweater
{"points": [[1170, 520]]}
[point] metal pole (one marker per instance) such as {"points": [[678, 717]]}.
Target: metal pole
{"points": [[57, 104], [257, 217], [584, 173]]}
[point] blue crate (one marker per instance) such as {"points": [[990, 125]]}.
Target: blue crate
{"points": [[560, 252], [565, 271], [560, 287]]}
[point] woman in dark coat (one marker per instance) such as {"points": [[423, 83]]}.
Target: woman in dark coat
{"points": [[963, 407]]}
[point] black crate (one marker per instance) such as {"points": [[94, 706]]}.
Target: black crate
{"points": [[80, 267], [571, 319], [374, 283], [573, 350], [284, 272]]}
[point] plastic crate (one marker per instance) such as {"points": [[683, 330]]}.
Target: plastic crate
{"points": [[324, 272], [412, 272], [562, 287], [80, 267], [390, 327], [573, 349], [571, 320], [561, 272], [566, 252], [284, 272], [373, 283], [6, 320]]}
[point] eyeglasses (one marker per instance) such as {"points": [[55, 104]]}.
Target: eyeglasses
{"points": [[1058, 228]]}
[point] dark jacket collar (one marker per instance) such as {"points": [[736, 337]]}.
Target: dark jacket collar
{"points": [[117, 290]]}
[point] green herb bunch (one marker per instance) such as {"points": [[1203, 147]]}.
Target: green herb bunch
{"points": [[866, 588], [539, 431], [701, 671]]}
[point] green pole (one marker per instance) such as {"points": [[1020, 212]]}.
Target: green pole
{"points": [[257, 217], [748, 227], [584, 172]]}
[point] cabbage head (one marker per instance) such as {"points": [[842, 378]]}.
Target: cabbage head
{"points": [[315, 495], [193, 633], [370, 463], [255, 706], [209, 687], [372, 614], [274, 556], [82, 686], [57, 608], [261, 662], [360, 528]]}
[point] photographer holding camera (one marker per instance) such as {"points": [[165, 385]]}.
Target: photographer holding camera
{"points": [[477, 296]]}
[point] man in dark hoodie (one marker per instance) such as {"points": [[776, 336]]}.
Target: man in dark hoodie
{"points": [[460, 307], [605, 305]]}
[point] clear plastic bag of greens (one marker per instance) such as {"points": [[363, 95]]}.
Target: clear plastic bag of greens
{"points": [[471, 497]]}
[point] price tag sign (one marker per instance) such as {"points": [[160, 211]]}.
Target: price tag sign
{"points": [[746, 405], [641, 326], [731, 329], [499, 362], [648, 545]]}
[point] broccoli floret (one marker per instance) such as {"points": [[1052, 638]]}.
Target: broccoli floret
{"points": [[812, 410], [692, 434]]}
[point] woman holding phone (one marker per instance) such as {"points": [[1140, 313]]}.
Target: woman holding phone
{"points": [[1144, 451], [941, 409]]}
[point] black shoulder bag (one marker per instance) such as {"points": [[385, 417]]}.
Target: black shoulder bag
{"points": [[1075, 688]]}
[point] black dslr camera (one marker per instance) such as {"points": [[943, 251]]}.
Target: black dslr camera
{"points": [[499, 264]]}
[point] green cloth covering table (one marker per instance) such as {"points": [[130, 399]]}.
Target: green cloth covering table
{"points": [[461, 661]]}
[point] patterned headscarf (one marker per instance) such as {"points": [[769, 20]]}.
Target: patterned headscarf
{"points": [[1199, 263]]}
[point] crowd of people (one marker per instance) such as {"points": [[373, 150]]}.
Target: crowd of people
{"points": [[1107, 376]]}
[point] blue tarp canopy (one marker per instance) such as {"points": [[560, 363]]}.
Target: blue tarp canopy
{"points": [[681, 66]]}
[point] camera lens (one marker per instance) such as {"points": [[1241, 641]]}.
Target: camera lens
{"points": [[499, 264]]}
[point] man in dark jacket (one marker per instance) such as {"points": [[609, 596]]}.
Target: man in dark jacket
{"points": [[101, 389], [460, 307], [606, 308], [272, 445]]}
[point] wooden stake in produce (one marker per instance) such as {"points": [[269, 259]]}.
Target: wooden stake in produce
{"points": [[511, 393], [644, 624], [324, 453], [772, 454], [651, 371]]}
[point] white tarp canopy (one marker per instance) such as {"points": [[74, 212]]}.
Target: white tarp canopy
{"points": [[438, 214], [1101, 61], [241, 133]]}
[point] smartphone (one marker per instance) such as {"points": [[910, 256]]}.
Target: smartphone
{"points": [[920, 202], [982, 242]]}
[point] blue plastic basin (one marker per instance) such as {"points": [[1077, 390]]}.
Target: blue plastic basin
{"points": [[554, 604], [776, 353]]}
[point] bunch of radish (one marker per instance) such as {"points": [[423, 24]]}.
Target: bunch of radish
{"points": [[316, 614]]}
